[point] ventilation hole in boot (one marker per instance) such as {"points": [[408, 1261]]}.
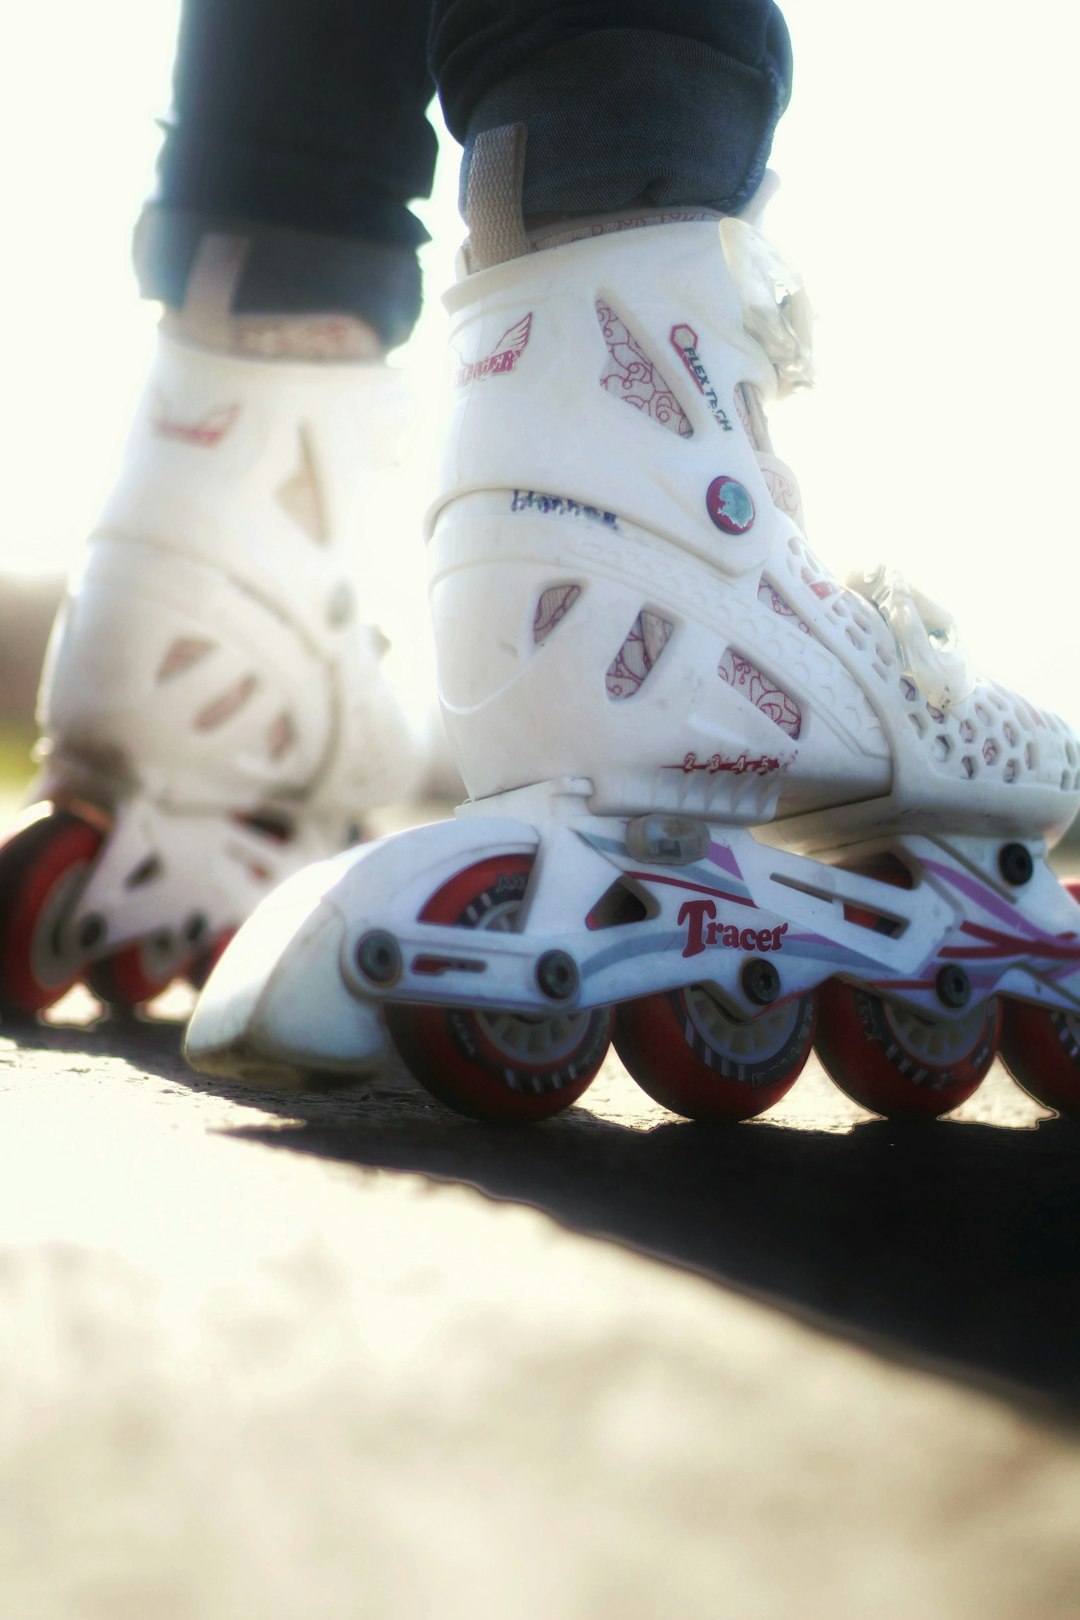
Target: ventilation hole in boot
{"points": [[616, 907], [749, 410], [634, 661], [269, 824], [760, 690], [281, 736], [299, 496], [991, 751], [770, 597], [206, 432], [742, 411], [783, 491], [631, 376], [183, 654], [551, 608], [228, 704], [146, 871]]}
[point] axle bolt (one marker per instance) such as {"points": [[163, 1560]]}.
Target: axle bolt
{"points": [[760, 982], [91, 931], [557, 975], [953, 986], [378, 956], [1016, 864]]}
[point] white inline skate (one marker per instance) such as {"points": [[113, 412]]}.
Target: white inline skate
{"points": [[720, 805], [213, 711]]}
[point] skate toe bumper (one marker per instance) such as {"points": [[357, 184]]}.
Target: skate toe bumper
{"points": [[275, 1011]]}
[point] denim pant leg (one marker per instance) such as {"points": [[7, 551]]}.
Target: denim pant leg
{"points": [[301, 125], [625, 101]]}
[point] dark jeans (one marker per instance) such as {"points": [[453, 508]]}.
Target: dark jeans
{"points": [[302, 124]]}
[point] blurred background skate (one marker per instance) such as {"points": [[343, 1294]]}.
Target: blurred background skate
{"points": [[941, 429]]}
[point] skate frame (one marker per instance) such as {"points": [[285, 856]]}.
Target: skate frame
{"points": [[701, 918]]}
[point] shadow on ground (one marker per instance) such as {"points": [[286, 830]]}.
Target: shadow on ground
{"points": [[951, 1242], [954, 1242]]}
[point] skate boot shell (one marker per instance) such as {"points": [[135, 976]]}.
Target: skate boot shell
{"points": [[213, 709], [721, 806]]}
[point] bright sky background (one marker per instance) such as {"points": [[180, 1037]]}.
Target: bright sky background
{"points": [[928, 169]]}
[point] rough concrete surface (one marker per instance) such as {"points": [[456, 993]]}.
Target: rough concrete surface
{"points": [[354, 1356]]}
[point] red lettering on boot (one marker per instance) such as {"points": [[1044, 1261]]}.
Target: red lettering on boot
{"points": [[694, 914]]}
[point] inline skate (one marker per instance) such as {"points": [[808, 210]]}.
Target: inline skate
{"points": [[213, 709], [721, 807]]}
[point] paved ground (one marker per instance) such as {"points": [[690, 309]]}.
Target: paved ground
{"points": [[358, 1357]]}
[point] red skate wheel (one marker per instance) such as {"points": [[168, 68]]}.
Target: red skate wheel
{"points": [[43, 867], [896, 1062], [1040, 1047], [690, 1054], [494, 1065], [137, 972], [204, 964]]}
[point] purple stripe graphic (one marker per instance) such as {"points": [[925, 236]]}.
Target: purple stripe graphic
{"points": [[723, 857], [987, 899]]}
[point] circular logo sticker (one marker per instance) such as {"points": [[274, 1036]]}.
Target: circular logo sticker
{"points": [[729, 505]]}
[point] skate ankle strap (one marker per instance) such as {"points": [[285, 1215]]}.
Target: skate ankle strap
{"points": [[498, 230], [207, 319], [493, 193], [206, 316]]}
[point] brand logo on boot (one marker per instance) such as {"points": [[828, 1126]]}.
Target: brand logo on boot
{"points": [[206, 432], [703, 931], [729, 505], [504, 357], [684, 341]]}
